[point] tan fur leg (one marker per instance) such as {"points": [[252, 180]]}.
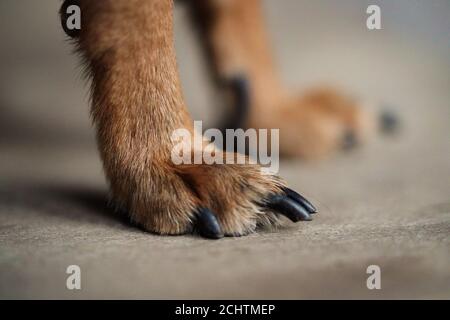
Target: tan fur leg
{"points": [[136, 106], [311, 125]]}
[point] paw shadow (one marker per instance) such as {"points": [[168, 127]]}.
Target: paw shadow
{"points": [[68, 202]]}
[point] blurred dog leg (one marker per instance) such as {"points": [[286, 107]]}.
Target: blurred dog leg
{"points": [[311, 125]]}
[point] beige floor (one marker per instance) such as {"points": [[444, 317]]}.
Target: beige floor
{"points": [[387, 204]]}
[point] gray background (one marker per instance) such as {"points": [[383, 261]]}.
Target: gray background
{"points": [[385, 204]]}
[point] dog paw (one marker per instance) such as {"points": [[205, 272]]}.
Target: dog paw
{"points": [[216, 201], [319, 123]]}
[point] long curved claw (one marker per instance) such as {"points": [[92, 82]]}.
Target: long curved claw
{"points": [[207, 224], [289, 208], [300, 200], [389, 121]]}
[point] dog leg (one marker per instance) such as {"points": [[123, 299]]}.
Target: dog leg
{"points": [[137, 104], [311, 125]]}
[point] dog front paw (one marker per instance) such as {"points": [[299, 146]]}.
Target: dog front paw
{"points": [[216, 201]]}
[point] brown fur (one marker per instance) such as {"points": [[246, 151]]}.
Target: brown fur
{"points": [[136, 105], [311, 125]]}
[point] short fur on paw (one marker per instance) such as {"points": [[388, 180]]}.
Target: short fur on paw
{"points": [[216, 201], [317, 123]]}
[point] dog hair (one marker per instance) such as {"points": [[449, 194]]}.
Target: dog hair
{"points": [[128, 51]]}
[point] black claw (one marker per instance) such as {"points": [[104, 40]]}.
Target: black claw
{"points": [[389, 121], [301, 200], [239, 87], [207, 224], [349, 141], [289, 208]]}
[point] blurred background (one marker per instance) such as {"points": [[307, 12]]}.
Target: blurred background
{"points": [[385, 204]]}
